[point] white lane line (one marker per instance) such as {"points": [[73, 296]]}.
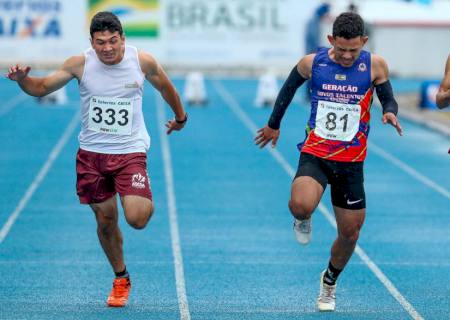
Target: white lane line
{"points": [[12, 103], [40, 176], [409, 170], [172, 208], [251, 126]]}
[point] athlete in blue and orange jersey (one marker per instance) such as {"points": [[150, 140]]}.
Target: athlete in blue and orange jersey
{"points": [[343, 79], [340, 99]]}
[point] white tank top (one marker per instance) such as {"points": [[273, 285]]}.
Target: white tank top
{"points": [[111, 105]]}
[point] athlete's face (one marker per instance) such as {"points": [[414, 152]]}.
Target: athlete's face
{"points": [[346, 51], [108, 46]]}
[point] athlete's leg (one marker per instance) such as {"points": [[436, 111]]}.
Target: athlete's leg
{"points": [[349, 203], [306, 193], [349, 223], [109, 233], [308, 186], [133, 184], [138, 210], [348, 198]]}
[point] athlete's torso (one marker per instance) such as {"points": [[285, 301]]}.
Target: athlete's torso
{"points": [[340, 108], [111, 105]]}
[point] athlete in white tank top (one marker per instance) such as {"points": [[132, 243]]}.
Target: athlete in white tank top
{"points": [[111, 78], [111, 105]]}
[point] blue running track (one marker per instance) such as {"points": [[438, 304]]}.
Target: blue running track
{"points": [[220, 245]]}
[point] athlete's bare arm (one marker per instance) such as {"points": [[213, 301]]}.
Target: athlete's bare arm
{"points": [[380, 70], [443, 95], [41, 86], [380, 76], [155, 74]]}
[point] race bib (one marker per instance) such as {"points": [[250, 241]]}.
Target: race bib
{"points": [[111, 115], [337, 121]]}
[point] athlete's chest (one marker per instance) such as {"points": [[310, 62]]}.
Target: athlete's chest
{"points": [[332, 82], [113, 82]]}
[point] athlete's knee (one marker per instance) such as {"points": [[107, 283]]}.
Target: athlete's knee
{"points": [[106, 216], [106, 224], [349, 234], [138, 221], [301, 209], [138, 217]]}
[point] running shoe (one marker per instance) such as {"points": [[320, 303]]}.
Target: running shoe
{"points": [[302, 230], [327, 296], [119, 293]]}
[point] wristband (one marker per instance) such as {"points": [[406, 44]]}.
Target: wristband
{"points": [[182, 121]]}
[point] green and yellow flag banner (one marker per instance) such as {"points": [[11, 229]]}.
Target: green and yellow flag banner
{"points": [[140, 18]]}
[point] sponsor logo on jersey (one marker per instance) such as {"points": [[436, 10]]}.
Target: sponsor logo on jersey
{"points": [[362, 67], [134, 85]]}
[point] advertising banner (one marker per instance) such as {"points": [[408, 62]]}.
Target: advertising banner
{"points": [[41, 31], [200, 33], [236, 32], [214, 32]]}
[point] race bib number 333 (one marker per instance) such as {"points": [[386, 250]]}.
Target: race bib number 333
{"points": [[111, 115], [337, 121]]}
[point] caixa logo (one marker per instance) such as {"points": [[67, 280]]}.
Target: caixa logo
{"points": [[30, 27]]}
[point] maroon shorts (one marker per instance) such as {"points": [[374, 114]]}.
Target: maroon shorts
{"points": [[100, 176]]}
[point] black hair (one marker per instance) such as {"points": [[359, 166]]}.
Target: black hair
{"points": [[348, 25], [105, 21]]}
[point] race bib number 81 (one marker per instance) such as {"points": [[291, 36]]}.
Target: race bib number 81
{"points": [[111, 115], [337, 121]]}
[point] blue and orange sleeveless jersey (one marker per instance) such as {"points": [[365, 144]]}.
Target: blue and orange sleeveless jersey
{"points": [[333, 83]]}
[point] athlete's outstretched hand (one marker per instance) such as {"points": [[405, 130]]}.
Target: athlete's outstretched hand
{"points": [[390, 118], [265, 135], [17, 73], [175, 125]]}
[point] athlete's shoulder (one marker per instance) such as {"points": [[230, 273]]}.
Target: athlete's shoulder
{"points": [[309, 58], [377, 61], [147, 61], [304, 66], [74, 65], [74, 61]]}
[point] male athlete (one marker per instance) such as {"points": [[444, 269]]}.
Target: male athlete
{"points": [[443, 95], [343, 79], [113, 138]]}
